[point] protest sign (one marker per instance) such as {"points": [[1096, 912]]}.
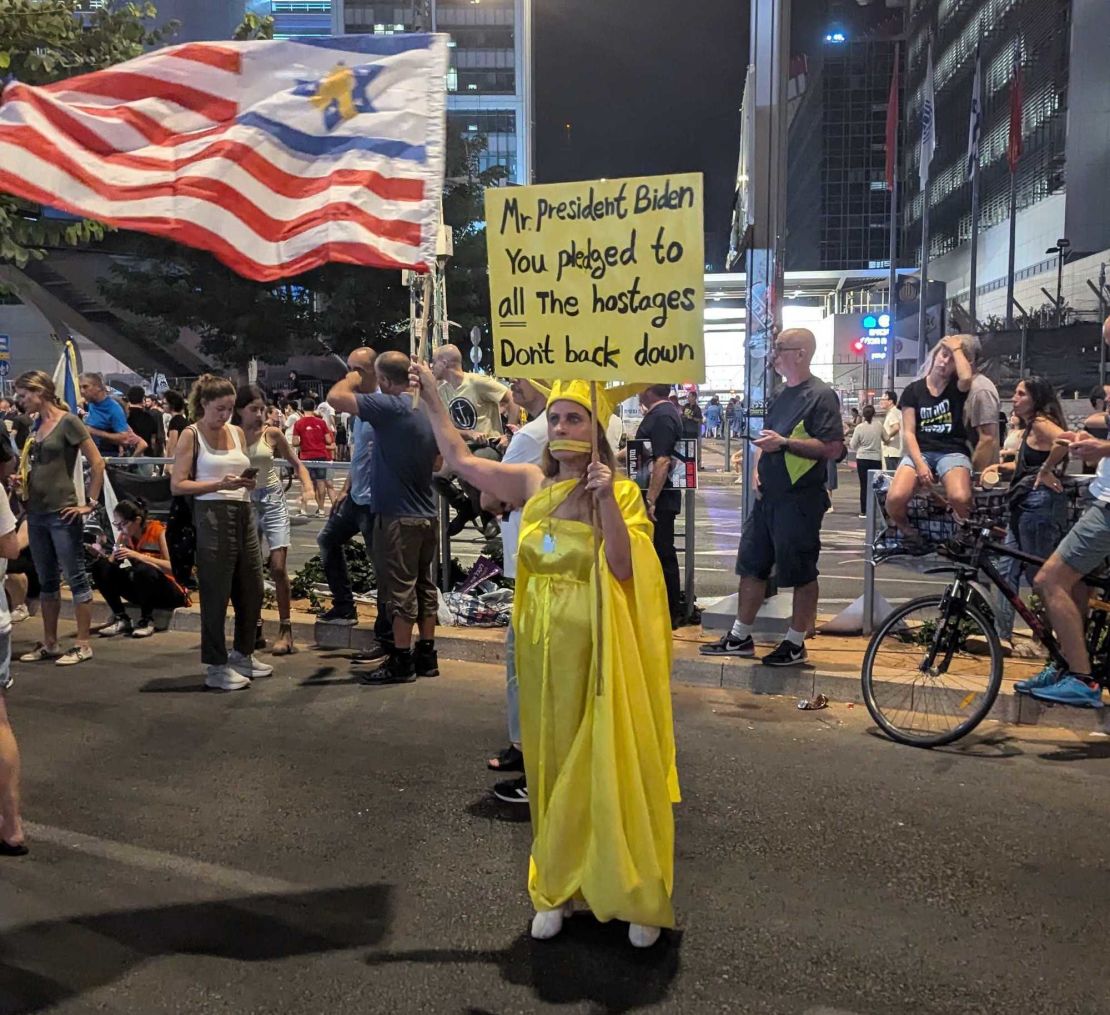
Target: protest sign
{"points": [[598, 281]]}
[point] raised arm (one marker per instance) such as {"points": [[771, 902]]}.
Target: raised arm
{"points": [[281, 446], [510, 484]]}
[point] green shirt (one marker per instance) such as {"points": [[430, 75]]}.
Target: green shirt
{"points": [[50, 484]]}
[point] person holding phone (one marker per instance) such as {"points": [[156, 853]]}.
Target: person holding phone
{"points": [[137, 570], [264, 444], [212, 466]]}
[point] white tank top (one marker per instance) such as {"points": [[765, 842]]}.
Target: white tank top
{"points": [[213, 465]]}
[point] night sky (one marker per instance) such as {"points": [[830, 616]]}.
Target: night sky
{"points": [[649, 87]]}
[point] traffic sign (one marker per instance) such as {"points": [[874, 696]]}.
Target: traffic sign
{"points": [[5, 344], [5, 367]]}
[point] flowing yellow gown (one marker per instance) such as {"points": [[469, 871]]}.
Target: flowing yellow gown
{"points": [[601, 768]]}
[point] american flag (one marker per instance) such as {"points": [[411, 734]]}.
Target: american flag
{"points": [[275, 156]]}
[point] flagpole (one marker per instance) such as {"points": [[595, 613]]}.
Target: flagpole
{"points": [[892, 283], [922, 309], [975, 134], [1013, 251]]}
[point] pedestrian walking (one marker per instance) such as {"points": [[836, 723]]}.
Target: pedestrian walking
{"points": [[596, 726], [662, 425], [55, 512], [691, 416], [713, 417], [891, 418], [212, 467], [313, 441], [137, 570], [271, 512], [867, 445], [403, 459], [803, 433], [11, 825]]}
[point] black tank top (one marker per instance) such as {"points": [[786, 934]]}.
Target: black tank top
{"points": [[1029, 460]]}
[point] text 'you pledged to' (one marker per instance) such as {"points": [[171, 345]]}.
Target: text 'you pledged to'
{"points": [[600, 280]]}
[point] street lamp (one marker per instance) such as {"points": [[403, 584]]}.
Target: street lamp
{"points": [[1061, 252]]}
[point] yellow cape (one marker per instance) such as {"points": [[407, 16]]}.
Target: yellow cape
{"points": [[601, 768]]}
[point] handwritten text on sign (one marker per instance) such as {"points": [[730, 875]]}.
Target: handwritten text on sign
{"points": [[600, 281]]}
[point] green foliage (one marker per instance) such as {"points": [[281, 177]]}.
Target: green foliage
{"points": [[253, 28], [359, 567], [43, 41], [464, 211]]}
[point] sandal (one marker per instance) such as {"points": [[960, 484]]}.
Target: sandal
{"points": [[40, 654], [284, 628], [508, 760]]}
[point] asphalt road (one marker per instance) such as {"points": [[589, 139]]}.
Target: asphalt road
{"points": [[315, 846]]}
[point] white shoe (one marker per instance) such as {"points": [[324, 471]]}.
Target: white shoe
{"points": [[641, 936], [248, 666], [547, 923], [220, 678], [20, 613]]}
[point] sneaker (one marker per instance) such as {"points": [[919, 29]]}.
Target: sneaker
{"points": [[787, 654], [40, 654], [73, 656], [221, 678], [398, 668], [145, 628], [339, 617], [512, 791], [20, 613], [1046, 678], [1070, 690], [730, 645], [248, 666], [118, 625], [426, 660], [372, 654]]}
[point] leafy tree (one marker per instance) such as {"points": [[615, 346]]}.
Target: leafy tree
{"points": [[43, 41], [464, 211]]}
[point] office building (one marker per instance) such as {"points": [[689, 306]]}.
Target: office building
{"points": [[838, 207], [1061, 179], [296, 18], [489, 83]]}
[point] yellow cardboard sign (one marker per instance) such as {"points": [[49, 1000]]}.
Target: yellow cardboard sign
{"points": [[600, 281]]}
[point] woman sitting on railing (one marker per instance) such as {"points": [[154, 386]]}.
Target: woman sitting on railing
{"points": [[137, 570]]}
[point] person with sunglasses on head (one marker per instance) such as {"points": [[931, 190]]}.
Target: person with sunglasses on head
{"points": [[802, 432]]}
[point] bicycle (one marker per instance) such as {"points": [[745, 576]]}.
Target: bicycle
{"points": [[922, 684]]}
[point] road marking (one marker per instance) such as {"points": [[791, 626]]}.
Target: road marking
{"points": [[226, 878]]}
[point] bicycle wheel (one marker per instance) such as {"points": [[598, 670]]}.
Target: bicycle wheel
{"points": [[922, 682]]}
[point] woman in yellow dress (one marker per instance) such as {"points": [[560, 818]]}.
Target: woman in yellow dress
{"points": [[595, 706]]}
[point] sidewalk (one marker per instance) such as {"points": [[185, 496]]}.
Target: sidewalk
{"points": [[833, 668]]}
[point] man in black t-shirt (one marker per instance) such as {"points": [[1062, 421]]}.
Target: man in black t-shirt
{"points": [[802, 432], [148, 426], [662, 425]]}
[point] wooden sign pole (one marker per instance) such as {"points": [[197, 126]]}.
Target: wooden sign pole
{"points": [[599, 645]]}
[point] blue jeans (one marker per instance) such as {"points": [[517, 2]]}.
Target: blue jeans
{"points": [[1037, 528], [57, 548], [343, 524]]}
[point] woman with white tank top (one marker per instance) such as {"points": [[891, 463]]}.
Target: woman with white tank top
{"points": [[211, 466]]}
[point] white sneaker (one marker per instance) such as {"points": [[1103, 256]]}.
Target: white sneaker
{"points": [[547, 923], [220, 678], [641, 936], [248, 666], [19, 614]]}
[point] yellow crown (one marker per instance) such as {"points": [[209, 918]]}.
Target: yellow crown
{"points": [[579, 393]]}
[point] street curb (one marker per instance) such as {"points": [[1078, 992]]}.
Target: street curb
{"points": [[487, 645]]}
